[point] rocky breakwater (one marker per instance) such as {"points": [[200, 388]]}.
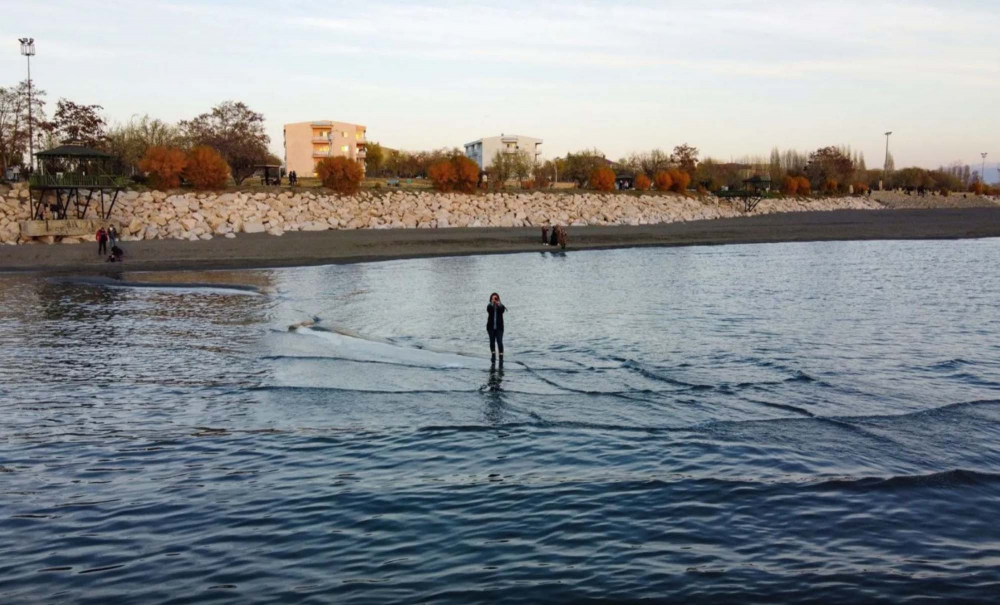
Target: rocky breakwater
{"points": [[194, 216]]}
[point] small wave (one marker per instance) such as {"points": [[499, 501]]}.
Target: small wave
{"points": [[925, 411], [945, 479], [201, 287], [550, 424], [951, 364], [306, 389]]}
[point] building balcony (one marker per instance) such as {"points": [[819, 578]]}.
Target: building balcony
{"points": [[321, 154], [319, 139]]}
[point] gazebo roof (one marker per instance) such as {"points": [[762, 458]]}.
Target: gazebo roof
{"points": [[72, 151]]}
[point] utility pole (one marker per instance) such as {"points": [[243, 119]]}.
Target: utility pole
{"points": [[885, 166], [28, 50], [982, 171]]}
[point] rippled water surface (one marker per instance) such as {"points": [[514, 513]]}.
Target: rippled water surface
{"points": [[755, 423]]}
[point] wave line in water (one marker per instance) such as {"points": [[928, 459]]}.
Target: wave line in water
{"points": [[198, 287]]}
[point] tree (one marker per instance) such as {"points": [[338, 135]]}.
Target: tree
{"points": [[579, 166], [679, 180], [602, 179], [374, 158], [466, 174], [505, 166], [829, 164], [79, 123], [662, 181], [206, 168], [790, 185], [442, 175], [774, 169], [544, 174], [14, 122], [236, 132], [803, 186], [685, 157], [164, 166], [890, 162], [647, 162], [129, 142], [642, 182], [342, 175]]}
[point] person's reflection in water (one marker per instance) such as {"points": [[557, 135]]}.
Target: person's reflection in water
{"points": [[494, 394]]}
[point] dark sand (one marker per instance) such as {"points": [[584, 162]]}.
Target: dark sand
{"points": [[329, 247]]}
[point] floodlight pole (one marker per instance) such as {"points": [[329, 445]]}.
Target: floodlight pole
{"points": [[885, 166], [28, 50]]}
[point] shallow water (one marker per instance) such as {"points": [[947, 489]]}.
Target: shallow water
{"points": [[756, 423]]}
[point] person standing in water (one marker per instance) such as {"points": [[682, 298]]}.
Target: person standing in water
{"points": [[494, 325]]}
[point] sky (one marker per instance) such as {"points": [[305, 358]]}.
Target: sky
{"points": [[731, 77]]}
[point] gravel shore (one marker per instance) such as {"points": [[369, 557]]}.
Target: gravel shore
{"points": [[346, 246]]}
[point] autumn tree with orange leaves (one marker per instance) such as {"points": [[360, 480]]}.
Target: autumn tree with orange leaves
{"points": [[342, 175], [206, 169], [164, 166], [642, 182], [602, 179]]}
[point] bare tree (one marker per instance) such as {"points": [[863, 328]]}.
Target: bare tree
{"points": [[235, 131], [79, 123], [14, 122], [685, 157]]}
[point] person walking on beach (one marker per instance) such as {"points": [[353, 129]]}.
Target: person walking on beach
{"points": [[102, 242], [494, 325]]}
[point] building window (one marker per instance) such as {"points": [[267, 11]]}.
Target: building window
{"points": [[344, 148]]}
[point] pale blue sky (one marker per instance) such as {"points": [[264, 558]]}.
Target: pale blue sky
{"points": [[731, 77]]}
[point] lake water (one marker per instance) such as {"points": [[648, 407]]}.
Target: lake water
{"points": [[756, 423]]}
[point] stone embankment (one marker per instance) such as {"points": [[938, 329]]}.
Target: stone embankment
{"points": [[194, 216]]}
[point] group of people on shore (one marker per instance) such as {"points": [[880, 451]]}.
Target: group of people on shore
{"points": [[558, 237], [105, 236]]}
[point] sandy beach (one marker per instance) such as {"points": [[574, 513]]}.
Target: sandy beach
{"points": [[347, 246]]}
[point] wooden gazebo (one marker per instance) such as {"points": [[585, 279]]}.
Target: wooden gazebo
{"points": [[66, 171], [754, 190], [270, 174]]}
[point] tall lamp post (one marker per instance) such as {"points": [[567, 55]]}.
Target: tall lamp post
{"points": [[28, 50], [982, 171], [885, 166]]}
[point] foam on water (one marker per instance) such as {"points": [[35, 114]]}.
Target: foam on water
{"points": [[361, 349]]}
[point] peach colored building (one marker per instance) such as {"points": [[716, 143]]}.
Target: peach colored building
{"points": [[306, 143]]}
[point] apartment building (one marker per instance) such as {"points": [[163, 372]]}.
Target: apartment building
{"points": [[307, 143], [484, 150]]}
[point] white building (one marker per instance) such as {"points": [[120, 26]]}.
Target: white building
{"points": [[484, 150]]}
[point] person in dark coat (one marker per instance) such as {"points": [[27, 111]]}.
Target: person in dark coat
{"points": [[494, 325], [102, 242], [112, 236]]}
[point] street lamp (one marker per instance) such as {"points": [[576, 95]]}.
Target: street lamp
{"points": [[885, 166], [28, 50], [982, 171]]}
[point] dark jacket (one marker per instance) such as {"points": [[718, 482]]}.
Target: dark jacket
{"points": [[498, 312]]}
